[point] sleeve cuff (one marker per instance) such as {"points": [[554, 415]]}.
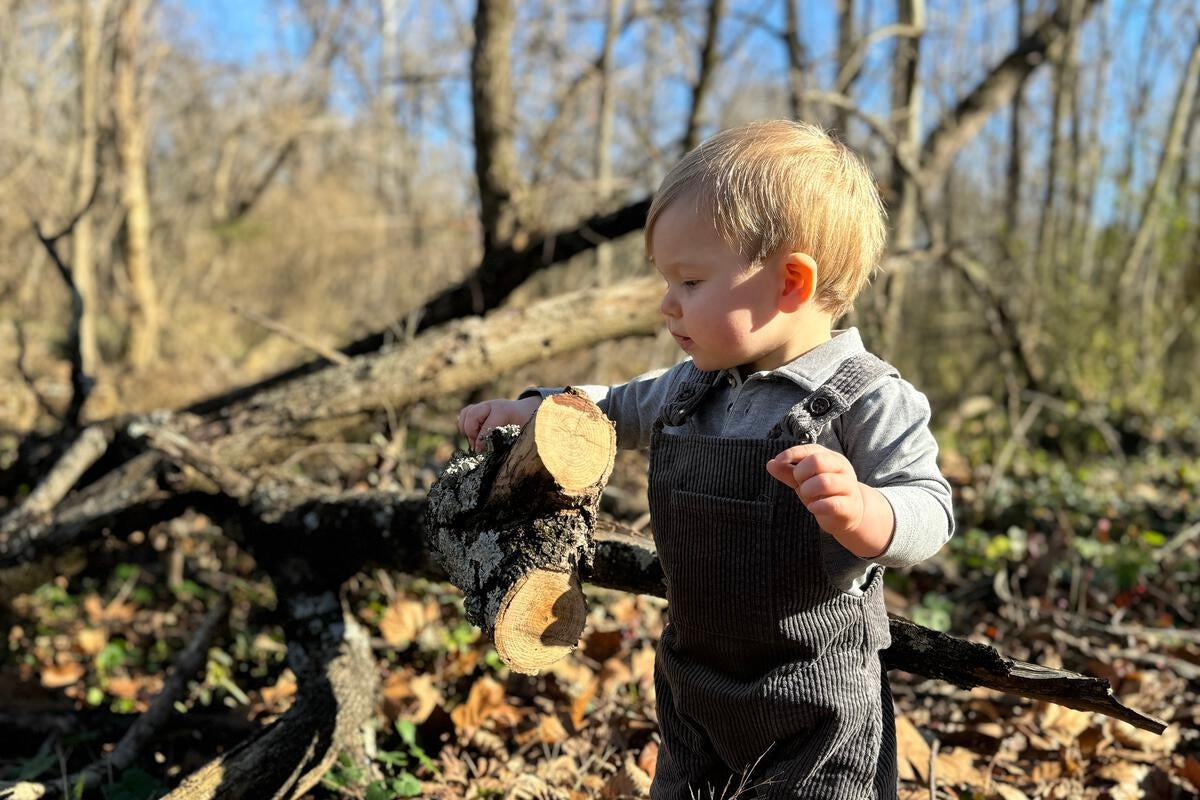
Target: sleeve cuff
{"points": [[922, 526]]}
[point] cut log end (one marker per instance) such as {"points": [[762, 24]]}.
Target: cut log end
{"points": [[540, 620], [575, 441]]}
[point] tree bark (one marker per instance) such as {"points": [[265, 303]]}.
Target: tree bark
{"points": [[91, 24], [513, 527], [906, 111], [604, 138], [847, 35], [708, 64], [798, 66], [494, 116], [1012, 195], [129, 109]]}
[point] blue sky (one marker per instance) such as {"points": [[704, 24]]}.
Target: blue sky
{"points": [[245, 31]]}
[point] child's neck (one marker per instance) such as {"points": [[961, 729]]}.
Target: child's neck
{"points": [[806, 339]]}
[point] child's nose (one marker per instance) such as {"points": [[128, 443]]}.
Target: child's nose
{"points": [[669, 307]]}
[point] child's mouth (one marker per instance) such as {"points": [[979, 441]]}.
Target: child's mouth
{"points": [[684, 341]]}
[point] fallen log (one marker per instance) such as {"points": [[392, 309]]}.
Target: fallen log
{"points": [[512, 528]]}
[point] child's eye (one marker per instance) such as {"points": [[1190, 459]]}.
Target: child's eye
{"points": [[689, 284]]}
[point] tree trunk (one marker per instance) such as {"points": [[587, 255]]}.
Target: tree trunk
{"points": [[91, 25], [847, 37], [708, 63], [1012, 195], [906, 110], [605, 135], [798, 65], [494, 115], [130, 116]]}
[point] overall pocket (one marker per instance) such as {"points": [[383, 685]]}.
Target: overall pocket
{"points": [[716, 555]]}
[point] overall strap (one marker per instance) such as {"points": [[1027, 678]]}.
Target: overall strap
{"points": [[833, 398], [690, 392]]}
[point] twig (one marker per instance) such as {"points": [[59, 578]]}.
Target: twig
{"points": [[82, 454], [933, 752], [154, 429], [24, 373], [1181, 538], [1106, 431], [1184, 669], [292, 335]]}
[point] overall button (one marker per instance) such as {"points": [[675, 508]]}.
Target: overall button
{"points": [[819, 405]]}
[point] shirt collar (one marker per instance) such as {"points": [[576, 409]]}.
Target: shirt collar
{"points": [[809, 370]]}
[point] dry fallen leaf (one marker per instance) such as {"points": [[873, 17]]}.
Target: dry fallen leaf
{"points": [[648, 760], [279, 695], [1007, 792], [629, 780], [1145, 740], [57, 676], [1125, 775], [602, 645], [1062, 724], [407, 695], [91, 640], [1190, 771], [402, 621], [549, 730], [956, 767], [912, 751], [484, 702], [579, 703]]}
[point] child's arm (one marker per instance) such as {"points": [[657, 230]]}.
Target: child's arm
{"points": [[475, 420], [885, 499], [855, 514]]}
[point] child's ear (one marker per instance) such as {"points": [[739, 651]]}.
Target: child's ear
{"points": [[799, 280]]}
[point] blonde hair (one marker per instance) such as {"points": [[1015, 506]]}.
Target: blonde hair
{"points": [[780, 184]]}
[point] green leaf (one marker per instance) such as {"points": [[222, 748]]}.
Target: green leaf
{"points": [[406, 785], [36, 766]]}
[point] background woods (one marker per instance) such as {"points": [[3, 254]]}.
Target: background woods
{"points": [[314, 228]]}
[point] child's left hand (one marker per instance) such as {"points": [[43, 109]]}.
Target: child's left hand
{"points": [[826, 483]]}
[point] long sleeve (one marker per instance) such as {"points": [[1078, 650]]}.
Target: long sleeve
{"points": [[886, 437], [633, 406]]}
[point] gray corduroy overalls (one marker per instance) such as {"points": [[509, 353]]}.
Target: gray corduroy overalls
{"points": [[764, 659]]}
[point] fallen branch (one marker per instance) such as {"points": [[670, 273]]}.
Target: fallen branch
{"points": [[86, 451]]}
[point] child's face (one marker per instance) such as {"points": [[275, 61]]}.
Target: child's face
{"points": [[720, 312]]}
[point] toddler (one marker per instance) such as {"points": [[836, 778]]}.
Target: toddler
{"points": [[788, 467]]}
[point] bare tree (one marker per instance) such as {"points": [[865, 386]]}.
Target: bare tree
{"points": [[604, 134], [92, 14], [906, 116], [494, 115], [708, 62], [130, 117]]}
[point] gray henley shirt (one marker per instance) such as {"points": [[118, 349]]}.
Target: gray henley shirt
{"points": [[885, 435]]}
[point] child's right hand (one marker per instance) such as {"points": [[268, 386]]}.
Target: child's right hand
{"points": [[477, 419]]}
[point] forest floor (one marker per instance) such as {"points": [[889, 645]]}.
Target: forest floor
{"points": [[1096, 569]]}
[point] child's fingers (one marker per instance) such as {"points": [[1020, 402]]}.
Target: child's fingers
{"points": [[473, 420], [801, 451], [823, 486], [782, 472]]}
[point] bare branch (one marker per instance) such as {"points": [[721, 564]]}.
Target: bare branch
{"points": [[997, 88], [708, 63]]}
